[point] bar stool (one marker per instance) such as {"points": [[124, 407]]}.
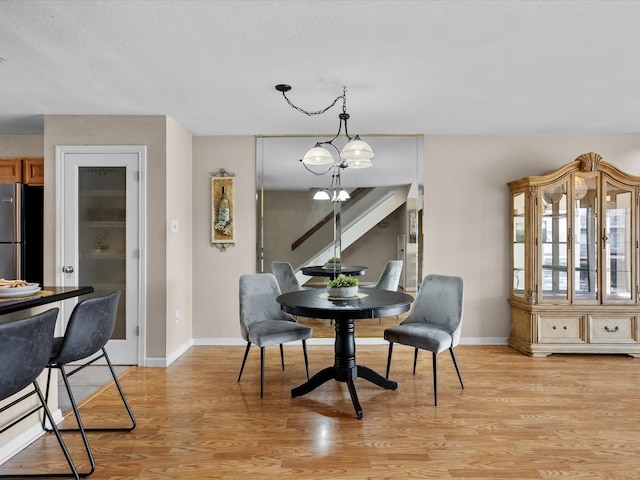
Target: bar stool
{"points": [[89, 329], [25, 347]]}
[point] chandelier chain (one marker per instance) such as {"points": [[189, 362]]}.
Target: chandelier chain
{"points": [[320, 112]]}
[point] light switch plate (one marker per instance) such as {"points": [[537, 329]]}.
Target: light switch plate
{"points": [[174, 226]]}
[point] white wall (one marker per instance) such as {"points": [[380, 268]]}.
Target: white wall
{"points": [[466, 209]]}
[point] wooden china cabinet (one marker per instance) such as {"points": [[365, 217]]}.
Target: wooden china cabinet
{"points": [[574, 260]]}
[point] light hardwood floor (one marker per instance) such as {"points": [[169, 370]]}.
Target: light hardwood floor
{"points": [[560, 417]]}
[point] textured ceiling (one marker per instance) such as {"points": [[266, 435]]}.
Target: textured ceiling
{"points": [[432, 67]]}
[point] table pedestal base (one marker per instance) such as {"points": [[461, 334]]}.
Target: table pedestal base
{"points": [[345, 368]]}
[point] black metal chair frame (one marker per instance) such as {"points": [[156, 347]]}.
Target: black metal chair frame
{"points": [[434, 361], [47, 415], [246, 353], [81, 428]]}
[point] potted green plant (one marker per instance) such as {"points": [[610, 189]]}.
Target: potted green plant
{"points": [[333, 262], [343, 286]]}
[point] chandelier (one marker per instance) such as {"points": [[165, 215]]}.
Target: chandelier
{"points": [[355, 154]]}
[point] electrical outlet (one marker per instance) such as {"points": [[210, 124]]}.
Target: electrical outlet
{"points": [[177, 316]]}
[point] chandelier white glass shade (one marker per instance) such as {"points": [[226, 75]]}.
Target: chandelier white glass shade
{"points": [[322, 195], [333, 195], [357, 153], [318, 156]]}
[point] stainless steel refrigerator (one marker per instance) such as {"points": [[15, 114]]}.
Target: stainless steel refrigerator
{"points": [[21, 232]]}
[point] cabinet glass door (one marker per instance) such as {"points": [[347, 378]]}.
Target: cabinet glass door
{"points": [[585, 238], [617, 243], [553, 242], [517, 241], [102, 234]]}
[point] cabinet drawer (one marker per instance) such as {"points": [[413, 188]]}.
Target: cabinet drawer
{"points": [[613, 329], [561, 329]]}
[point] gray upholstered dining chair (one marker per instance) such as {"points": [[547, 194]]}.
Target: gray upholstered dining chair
{"points": [[89, 329], [390, 278], [25, 347], [263, 323], [286, 277], [434, 323]]}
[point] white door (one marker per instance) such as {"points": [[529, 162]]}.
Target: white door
{"points": [[100, 234]]}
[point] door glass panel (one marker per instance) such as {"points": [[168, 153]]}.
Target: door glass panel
{"points": [[554, 242], [102, 234], [518, 245], [585, 238], [617, 244]]}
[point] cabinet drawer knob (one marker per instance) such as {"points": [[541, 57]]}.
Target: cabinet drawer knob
{"points": [[611, 330]]}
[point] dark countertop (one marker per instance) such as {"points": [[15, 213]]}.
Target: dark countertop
{"points": [[322, 271], [375, 303], [59, 293]]}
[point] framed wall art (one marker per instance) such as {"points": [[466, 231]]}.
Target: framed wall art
{"points": [[222, 209]]}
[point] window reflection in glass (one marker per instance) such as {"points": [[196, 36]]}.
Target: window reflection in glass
{"points": [[585, 236], [617, 243], [518, 245], [553, 242]]}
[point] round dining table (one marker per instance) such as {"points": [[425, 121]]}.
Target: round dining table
{"points": [[370, 303], [322, 271]]}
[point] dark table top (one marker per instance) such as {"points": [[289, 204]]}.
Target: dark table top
{"points": [[322, 271], [8, 305], [375, 303]]}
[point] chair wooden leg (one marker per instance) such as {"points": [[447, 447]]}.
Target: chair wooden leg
{"points": [[415, 360], [306, 359], [261, 371], [435, 379], [455, 364], [246, 352], [282, 356], [389, 359]]}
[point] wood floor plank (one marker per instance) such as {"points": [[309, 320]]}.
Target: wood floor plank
{"points": [[560, 417]]}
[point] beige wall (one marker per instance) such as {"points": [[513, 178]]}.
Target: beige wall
{"points": [[120, 130], [216, 273], [179, 253], [21, 146], [466, 216], [466, 209]]}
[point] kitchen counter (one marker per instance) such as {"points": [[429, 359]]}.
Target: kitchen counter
{"points": [[45, 296]]}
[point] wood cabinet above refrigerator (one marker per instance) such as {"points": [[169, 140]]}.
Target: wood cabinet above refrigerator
{"points": [[29, 170]]}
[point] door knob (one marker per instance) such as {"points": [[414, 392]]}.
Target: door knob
{"points": [[68, 269]]}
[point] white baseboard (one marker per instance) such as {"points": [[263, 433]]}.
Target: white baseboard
{"points": [[233, 342], [359, 341]]}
